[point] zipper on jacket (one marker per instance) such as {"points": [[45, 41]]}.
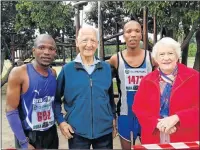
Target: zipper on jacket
{"points": [[91, 84], [91, 104]]}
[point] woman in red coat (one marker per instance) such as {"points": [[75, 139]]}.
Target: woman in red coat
{"points": [[167, 101]]}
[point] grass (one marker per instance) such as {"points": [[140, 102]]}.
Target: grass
{"points": [[115, 86]]}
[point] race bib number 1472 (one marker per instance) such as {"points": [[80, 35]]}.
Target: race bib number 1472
{"points": [[133, 78]]}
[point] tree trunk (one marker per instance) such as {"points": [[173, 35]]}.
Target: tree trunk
{"points": [[196, 62], [185, 54], [188, 38], [169, 33], [2, 58], [101, 53], [154, 29], [145, 28], [185, 49], [190, 34]]}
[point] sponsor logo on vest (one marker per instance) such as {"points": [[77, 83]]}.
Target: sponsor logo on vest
{"points": [[43, 125], [44, 99]]}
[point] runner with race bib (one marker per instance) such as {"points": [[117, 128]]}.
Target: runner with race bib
{"points": [[30, 99], [131, 65]]}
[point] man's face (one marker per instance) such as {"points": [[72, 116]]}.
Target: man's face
{"points": [[132, 35], [45, 52], [87, 42]]}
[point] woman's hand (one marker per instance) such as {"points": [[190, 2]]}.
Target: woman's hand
{"points": [[166, 124]]}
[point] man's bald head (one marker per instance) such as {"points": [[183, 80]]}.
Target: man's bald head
{"points": [[132, 22], [43, 37]]}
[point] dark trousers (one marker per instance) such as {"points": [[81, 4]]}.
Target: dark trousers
{"points": [[42, 139], [79, 142]]}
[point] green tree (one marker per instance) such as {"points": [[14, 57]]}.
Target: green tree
{"points": [[47, 16], [112, 13], [8, 13], [179, 18]]}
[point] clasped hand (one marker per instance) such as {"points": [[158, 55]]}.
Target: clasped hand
{"points": [[167, 124]]}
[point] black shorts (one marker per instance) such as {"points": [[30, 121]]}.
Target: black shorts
{"points": [[42, 139]]}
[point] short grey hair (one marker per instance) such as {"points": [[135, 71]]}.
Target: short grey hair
{"points": [[169, 42], [86, 26]]}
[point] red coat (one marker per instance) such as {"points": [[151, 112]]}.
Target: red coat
{"points": [[184, 102]]}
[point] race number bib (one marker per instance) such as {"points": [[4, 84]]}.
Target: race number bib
{"points": [[133, 78], [42, 114]]}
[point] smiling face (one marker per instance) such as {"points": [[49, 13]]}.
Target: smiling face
{"points": [[87, 42], [132, 34], [166, 58], [44, 50]]}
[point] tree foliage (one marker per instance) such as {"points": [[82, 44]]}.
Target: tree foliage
{"points": [[8, 13], [173, 15], [47, 16], [112, 13]]}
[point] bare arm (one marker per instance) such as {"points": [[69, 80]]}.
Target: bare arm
{"points": [[13, 89], [113, 61], [12, 102]]}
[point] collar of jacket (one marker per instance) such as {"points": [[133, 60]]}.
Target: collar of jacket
{"points": [[183, 75], [78, 65]]}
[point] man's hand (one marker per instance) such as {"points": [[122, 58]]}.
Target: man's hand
{"points": [[66, 130], [30, 146], [114, 133], [165, 124]]}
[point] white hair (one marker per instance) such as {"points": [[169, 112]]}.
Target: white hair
{"points": [[169, 42], [90, 27]]}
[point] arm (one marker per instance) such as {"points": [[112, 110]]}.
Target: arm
{"points": [[65, 128], [113, 65], [112, 101], [186, 118], [59, 95], [113, 61], [113, 106], [189, 118], [140, 108], [12, 103]]}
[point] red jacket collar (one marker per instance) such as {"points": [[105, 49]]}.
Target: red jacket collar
{"points": [[183, 74]]}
